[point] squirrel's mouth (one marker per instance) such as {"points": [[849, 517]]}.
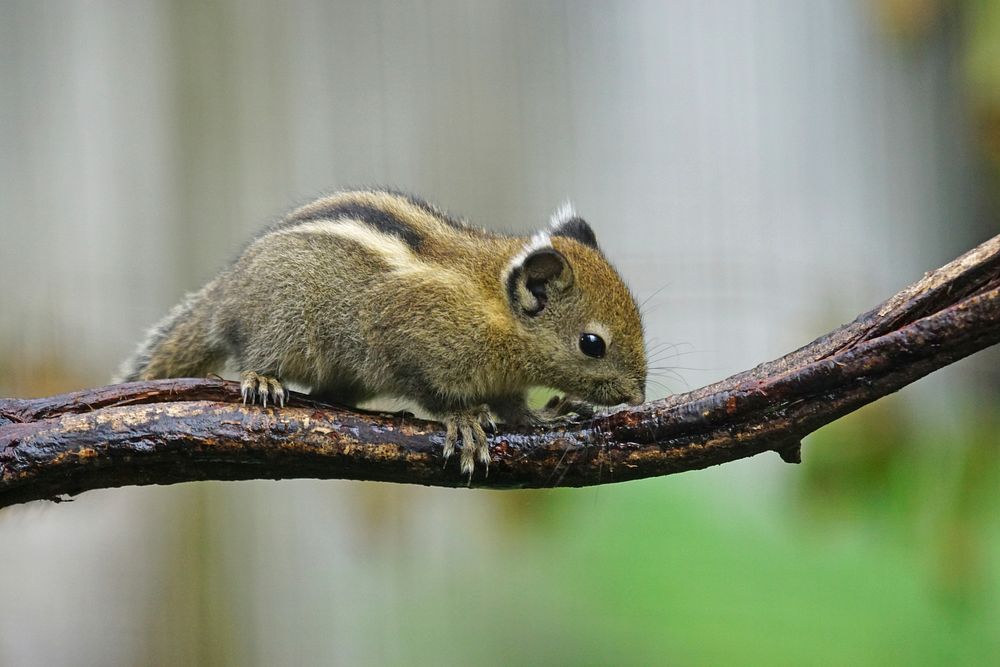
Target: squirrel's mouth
{"points": [[615, 395]]}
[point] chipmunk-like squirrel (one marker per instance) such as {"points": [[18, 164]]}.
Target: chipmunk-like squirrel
{"points": [[370, 293]]}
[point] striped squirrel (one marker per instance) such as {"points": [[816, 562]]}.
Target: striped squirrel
{"points": [[378, 293]]}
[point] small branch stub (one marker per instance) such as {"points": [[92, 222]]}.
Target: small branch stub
{"points": [[791, 453]]}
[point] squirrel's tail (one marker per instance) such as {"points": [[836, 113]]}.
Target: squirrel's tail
{"points": [[180, 345]]}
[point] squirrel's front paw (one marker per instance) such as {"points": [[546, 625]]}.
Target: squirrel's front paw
{"points": [[469, 424], [563, 407], [254, 387]]}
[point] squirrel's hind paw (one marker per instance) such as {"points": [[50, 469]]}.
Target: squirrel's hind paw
{"points": [[254, 387], [469, 425]]}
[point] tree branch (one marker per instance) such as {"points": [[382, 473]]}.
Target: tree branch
{"points": [[171, 431]]}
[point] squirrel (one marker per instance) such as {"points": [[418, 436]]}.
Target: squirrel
{"points": [[378, 293]]}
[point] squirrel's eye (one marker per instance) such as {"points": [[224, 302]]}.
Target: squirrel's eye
{"points": [[592, 345]]}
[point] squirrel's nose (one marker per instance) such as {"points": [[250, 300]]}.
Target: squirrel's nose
{"points": [[637, 399]]}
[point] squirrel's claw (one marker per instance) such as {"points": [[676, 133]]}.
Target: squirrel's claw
{"points": [[475, 446], [254, 387]]}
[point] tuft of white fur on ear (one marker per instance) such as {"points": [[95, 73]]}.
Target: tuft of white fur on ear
{"points": [[565, 212], [538, 241]]}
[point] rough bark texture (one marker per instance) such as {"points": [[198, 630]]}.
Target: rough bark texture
{"points": [[171, 431]]}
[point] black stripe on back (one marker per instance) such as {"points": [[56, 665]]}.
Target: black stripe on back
{"points": [[378, 218]]}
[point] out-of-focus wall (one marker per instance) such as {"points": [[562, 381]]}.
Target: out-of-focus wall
{"points": [[760, 171]]}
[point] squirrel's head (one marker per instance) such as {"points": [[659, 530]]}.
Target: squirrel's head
{"points": [[582, 325]]}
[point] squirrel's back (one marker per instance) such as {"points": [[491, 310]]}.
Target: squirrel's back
{"points": [[275, 292]]}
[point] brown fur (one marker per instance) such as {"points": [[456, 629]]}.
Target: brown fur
{"points": [[372, 293]]}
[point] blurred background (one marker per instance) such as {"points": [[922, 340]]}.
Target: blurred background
{"points": [[762, 171]]}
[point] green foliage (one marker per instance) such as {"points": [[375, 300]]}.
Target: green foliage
{"points": [[884, 551]]}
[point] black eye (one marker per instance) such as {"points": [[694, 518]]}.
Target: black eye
{"points": [[592, 345]]}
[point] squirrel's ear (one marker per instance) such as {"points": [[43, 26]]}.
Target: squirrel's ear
{"points": [[565, 222], [536, 275]]}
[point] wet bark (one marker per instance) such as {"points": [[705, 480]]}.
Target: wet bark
{"points": [[171, 431]]}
